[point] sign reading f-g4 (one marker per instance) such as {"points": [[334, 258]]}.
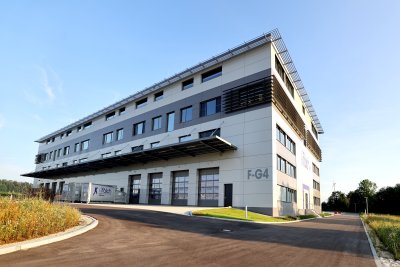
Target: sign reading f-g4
{"points": [[258, 173]]}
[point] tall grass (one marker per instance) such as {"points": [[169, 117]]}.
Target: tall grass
{"points": [[387, 228], [33, 217]]}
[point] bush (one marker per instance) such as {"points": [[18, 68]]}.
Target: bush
{"points": [[387, 228], [33, 217]]}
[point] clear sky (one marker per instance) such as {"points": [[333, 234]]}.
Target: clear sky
{"points": [[63, 60]]}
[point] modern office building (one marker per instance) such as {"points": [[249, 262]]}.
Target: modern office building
{"points": [[235, 130]]}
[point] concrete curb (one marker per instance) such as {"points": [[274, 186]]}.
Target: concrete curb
{"points": [[371, 245], [189, 213], [90, 223]]}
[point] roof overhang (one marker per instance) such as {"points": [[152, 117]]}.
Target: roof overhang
{"points": [[214, 144]]}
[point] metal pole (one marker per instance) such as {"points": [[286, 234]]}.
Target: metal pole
{"points": [[366, 201], [246, 212]]}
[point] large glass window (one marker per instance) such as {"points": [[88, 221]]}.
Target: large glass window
{"points": [[170, 121], [120, 134], [180, 185], [66, 150], [287, 194], [286, 167], [210, 107], [138, 128], [155, 183], [156, 123], [186, 114], [285, 140], [108, 138], [209, 184]]}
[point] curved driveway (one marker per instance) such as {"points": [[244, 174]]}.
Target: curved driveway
{"points": [[129, 237]]}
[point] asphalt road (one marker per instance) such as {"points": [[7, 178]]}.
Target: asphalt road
{"points": [[128, 237]]}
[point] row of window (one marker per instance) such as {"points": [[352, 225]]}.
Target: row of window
{"points": [[109, 136], [316, 185], [52, 155], [315, 169], [287, 194], [286, 167], [285, 140], [209, 75]]}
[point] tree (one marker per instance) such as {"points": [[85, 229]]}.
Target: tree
{"points": [[387, 200], [338, 201], [367, 188]]}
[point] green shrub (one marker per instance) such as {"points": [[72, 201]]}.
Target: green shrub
{"points": [[387, 228], [307, 216], [32, 217]]}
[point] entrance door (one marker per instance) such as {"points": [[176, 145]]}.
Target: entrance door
{"points": [[306, 200], [134, 189], [227, 195]]}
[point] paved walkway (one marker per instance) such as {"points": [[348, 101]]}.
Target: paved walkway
{"points": [[136, 237]]}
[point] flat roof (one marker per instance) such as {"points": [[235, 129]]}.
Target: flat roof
{"points": [[192, 148], [272, 36]]}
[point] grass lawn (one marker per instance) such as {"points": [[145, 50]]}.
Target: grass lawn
{"points": [[325, 214], [237, 214], [387, 228]]}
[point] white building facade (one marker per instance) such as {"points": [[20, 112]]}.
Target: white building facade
{"points": [[235, 130]]}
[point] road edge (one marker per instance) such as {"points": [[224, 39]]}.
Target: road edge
{"points": [[371, 245], [89, 224]]}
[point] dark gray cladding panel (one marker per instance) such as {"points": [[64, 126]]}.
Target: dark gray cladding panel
{"points": [[96, 137]]}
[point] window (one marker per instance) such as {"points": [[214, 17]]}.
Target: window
{"points": [[209, 75], [51, 155], [87, 125], [110, 115], [141, 103], [210, 107], [279, 68], [304, 110], [287, 194], [170, 121], [108, 137], [317, 201], [59, 152], [117, 152], [315, 169], [79, 128], [209, 133], [158, 96], [57, 165], [209, 184], [76, 147], [62, 136], [289, 85], [286, 167], [180, 185], [187, 84], [137, 148], [138, 128], [106, 155], [285, 140], [316, 185], [47, 141], [82, 160], [156, 123], [314, 131], [120, 134], [121, 111], [185, 138], [65, 164], [186, 114], [66, 150], [53, 139], [68, 133], [85, 145], [75, 161], [154, 144]]}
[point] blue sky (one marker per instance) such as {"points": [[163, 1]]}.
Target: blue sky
{"points": [[62, 60]]}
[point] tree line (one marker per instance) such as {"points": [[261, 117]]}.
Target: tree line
{"points": [[386, 200], [7, 186]]}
